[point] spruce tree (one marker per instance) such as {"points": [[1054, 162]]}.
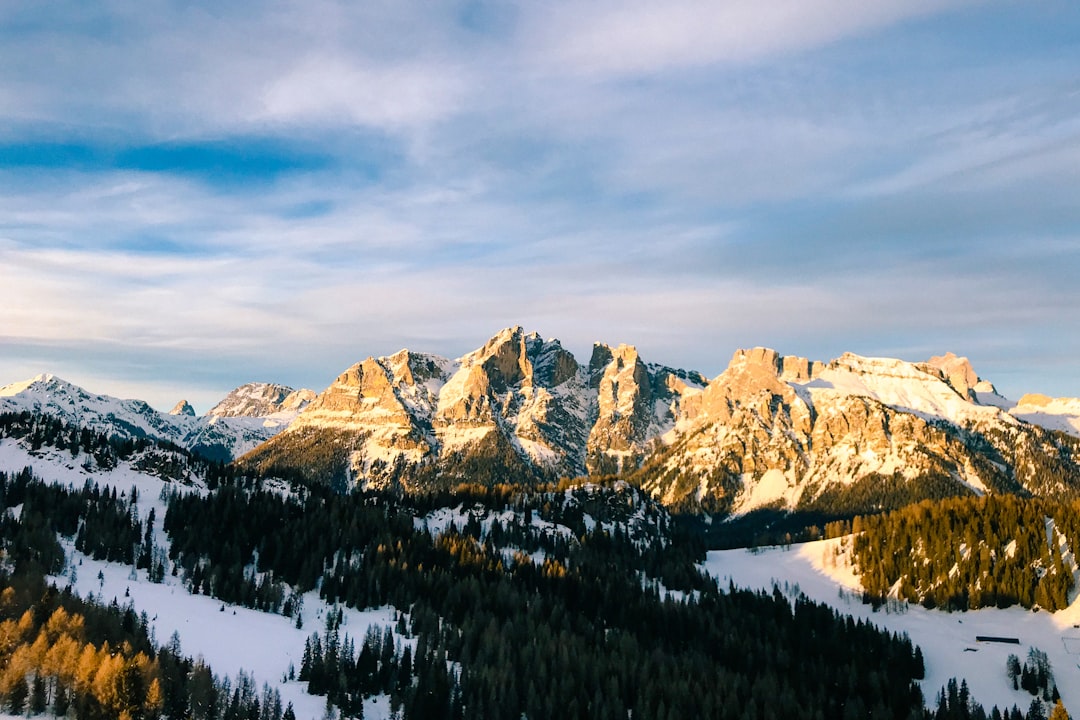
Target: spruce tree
{"points": [[17, 697]]}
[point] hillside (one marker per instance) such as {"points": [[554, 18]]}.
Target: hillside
{"points": [[507, 589]]}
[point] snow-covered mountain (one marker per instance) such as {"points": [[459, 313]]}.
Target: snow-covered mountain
{"points": [[214, 435], [770, 431], [266, 400], [853, 433], [519, 406]]}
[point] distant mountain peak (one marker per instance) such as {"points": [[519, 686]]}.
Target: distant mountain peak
{"points": [[259, 399], [183, 408]]}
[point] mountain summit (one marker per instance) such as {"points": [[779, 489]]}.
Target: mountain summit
{"points": [[219, 437], [770, 431]]}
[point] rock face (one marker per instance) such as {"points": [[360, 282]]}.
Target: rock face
{"points": [[959, 374], [770, 431], [635, 405], [518, 406], [183, 408], [855, 434]]}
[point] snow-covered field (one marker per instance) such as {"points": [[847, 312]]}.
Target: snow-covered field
{"points": [[264, 645], [229, 638], [947, 639]]}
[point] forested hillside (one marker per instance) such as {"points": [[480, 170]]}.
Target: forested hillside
{"points": [[557, 600], [966, 553], [549, 604], [65, 656]]}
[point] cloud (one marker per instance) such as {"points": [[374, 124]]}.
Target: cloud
{"points": [[285, 188], [614, 39], [336, 90]]}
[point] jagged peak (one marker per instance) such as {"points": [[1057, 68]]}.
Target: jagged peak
{"points": [[183, 408], [514, 335], [791, 368], [260, 399], [408, 367], [623, 356], [958, 372]]}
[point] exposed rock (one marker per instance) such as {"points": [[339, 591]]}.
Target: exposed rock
{"points": [[183, 408], [1035, 400], [261, 400], [771, 430]]}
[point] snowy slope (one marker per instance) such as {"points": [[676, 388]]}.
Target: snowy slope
{"points": [[1061, 414], [229, 638], [947, 639], [218, 436], [898, 384]]}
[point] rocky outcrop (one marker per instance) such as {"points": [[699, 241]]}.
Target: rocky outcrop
{"points": [[770, 431], [855, 433], [183, 408], [262, 400], [519, 404], [636, 404]]}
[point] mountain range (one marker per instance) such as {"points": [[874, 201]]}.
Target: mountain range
{"points": [[245, 418], [771, 431]]}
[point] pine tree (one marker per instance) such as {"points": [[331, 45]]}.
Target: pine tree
{"points": [[17, 697], [38, 701]]}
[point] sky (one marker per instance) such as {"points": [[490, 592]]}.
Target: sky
{"points": [[195, 195]]}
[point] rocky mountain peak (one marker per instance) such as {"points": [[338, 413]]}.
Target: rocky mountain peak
{"points": [[503, 359], [958, 373], [261, 400], [552, 364], [789, 368], [183, 408]]}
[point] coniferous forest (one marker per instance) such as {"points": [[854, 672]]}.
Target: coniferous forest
{"points": [[551, 601], [966, 553]]}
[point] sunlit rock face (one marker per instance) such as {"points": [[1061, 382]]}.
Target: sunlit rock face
{"points": [[770, 431]]}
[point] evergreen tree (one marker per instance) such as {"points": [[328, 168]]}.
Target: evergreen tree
{"points": [[17, 697]]}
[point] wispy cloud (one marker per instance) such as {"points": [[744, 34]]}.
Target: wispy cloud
{"points": [[620, 38], [270, 191]]}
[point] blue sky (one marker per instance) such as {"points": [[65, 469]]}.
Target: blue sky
{"points": [[197, 195]]}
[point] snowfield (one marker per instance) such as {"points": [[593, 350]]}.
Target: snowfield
{"points": [[947, 639], [229, 638]]}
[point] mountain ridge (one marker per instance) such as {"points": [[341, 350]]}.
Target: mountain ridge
{"points": [[770, 431], [218, 437]]}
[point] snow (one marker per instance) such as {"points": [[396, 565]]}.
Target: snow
{"points": [[947, 639], [48, 394], [229, 640], [454, 437], [900, 385], [1062, 414], [773, 486]]}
